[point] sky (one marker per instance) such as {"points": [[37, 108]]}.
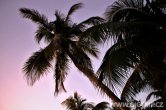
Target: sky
{"points": [[17, 43]]}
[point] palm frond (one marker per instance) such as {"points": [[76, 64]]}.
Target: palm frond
{"points": [[88, 47], [59, 16], [60, 26], [35, 16], [76, 30], [101, 106], [136, 83], [100, 33], [132, 86], [74, 8], [122, 7], [87, 106], [116, 66], [37, 65], [61, 68], [43, 32], [97, 33], [69, 103], [156, 94], [93, 21], [76, 102]]}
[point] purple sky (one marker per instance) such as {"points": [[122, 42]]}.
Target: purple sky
{"points": [[17, 44]]}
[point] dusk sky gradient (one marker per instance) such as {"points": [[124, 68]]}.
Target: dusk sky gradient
{"points": [[17, 43]]}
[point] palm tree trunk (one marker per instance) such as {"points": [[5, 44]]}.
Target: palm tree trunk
{"points": [[96, 82], [164, 96]]}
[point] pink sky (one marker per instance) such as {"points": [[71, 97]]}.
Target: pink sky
{"points": [[17, 44]]}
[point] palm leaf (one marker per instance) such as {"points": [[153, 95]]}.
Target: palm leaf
{"points": [[37, 65], [101, 106], [77, 30], [73, 9], [156, 94], [102, 32], [35, 16], [137, 82], [69, 103], [92, 21], [88, 47], [61, 68], [121, 7], [76, 103], [60, 17], [116, 65], [87, 106], [43, 32], [132, 86]]}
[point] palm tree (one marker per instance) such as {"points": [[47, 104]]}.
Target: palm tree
{"points": [[141, 49], [136, 60], [64, 43], [77, 103]]}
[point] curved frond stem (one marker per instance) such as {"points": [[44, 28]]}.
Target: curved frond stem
{"points": [[127, 9], [93, 21], [74, 8]]}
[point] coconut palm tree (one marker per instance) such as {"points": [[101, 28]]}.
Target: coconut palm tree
{"points": [[136, 59], [65, 43], [77, 103]]}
